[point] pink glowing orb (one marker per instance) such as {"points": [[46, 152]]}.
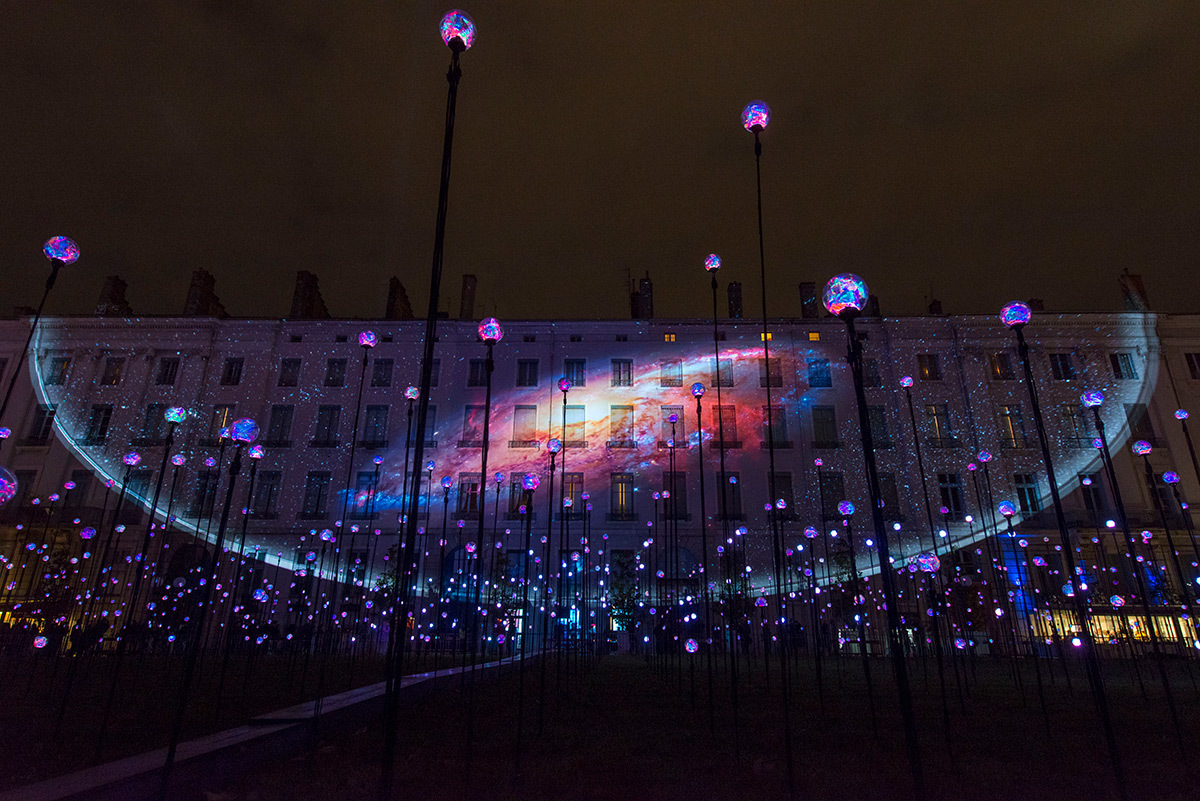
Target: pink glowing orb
{"points": [[1092, 399], [691, 646], [845, 508], [87, 533], [499, 478], [554, 445], [458, 30], [755, 116], [712, 262], [133, 458], [259, 595], [906, 381], [61, 248], [8, 485], [1181, 414], [760, 602], [412, 393], [564, 384], [5, 433], [1117, 601], [377, 460], [210, 462], [244, 430], [927, 562], [845, 294], [367, 339], [985, 456], [429, 466], [447, 482], [819, 462], [1015, 313], [530, 481], [1007, 508], [1141, 448], [490, 330], [1170, 477], [40, 641], [256, 452], [780, 503], [810, 532], [698, 390], [224, 433]]}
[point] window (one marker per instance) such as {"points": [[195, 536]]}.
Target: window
{"points": [[576, 371], [77, 498], [727, 433], [723, 373], [231, 373], [1012, 426], [573, 489], [477, 373], [814, 336], [871, 375], [206, 493], [668, 337], [767, 337], [576, 337], [1193, 363], [97, 427], [928, 367], [1061, 366], [825, 433], [1160, 493], [222, 417], [524, 434], [326, 433], [364, 494], [266, 494], [1092, 491], [833, 492], [818, 373], [154, 424], [773, 370], [1027, 492], [430, 429], [937, 424], [622, 372], [316, 495], [381, 373], [516, 495], [435, 372], [666, 427], [950, 490], [467, 504], [335, 373], [622, 337], [529, 338], [279, 426], [57, 374], [733, 495], [620, 500], [375, 426], [289, 372], [1077, 427], [1139, 422], [26, 485], [889, 497], [783, 492], [670, 373], [42, 425], [114, 367], [1001, 367], [675, 507], [472, 427], [1122, 366], [620, 427], [777, 432], [527, 372], [575, 435], [880, 438], [340, 338]]}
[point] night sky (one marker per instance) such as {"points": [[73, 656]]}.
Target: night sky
{"points": [[967, 151]]}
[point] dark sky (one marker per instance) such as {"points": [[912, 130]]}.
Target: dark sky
{"points": [[976, 151]]}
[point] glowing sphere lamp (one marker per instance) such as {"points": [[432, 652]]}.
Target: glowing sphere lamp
{"points": [[712, 262], [412, 393], [1007, 508], [564, 384], [756, 116], [810, 532], [554, 445], [698, 390], [1015, 313], [1181, 414], [530, 481], [490, 331], [985, 456], [906, 381], [458, 30], [8, 485], [928, 562], [256, 452], [845, 508], [175, 414], [447, 482], [1141, 448], [367, 339], [178, 460], [61, 249], [1092, 399], [1170, 477], [132, 459], [845, 294], [244, 430]]}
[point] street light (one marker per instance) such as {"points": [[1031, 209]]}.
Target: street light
{"points": [[845, 297]]}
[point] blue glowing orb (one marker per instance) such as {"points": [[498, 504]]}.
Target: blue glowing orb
{"points": [[906, 381], [256, 452], [712, 263], [178, 460], [367, 339], [244, 430], [1170, 477], [928, 562], [259, 595], [760, 602], [1116, 600], [40, 641], [1092, 399], [490, 330], [61, 248], [1015, 313], [8, 485], [447, 482], [810, 532], [697, 390], [87, 533], [1181, 414], [175, 414], [458, 30], [1141, 448], [1007, 508], [845, 293], [5, 432], [755, 116], [985, 456], [1068, 590], [564, 384], [554, 445], [133, 458], [960, 643], [845, 508], [530, 481], [691, 646]]}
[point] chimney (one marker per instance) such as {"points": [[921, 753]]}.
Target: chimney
{"points": [[735, 300], [466, 304], [112, 301], [201, 298], [872, 307], [307, 303], [935, 307], [398, 307], [809, 310], [1037, 305], [641, 300], [1134, 292]]}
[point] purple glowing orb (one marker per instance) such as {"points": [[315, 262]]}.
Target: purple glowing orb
{"points": [[760, 602], [458, 30], [61, 248], [845, 294], [259, 595], [132, 458], [447, 482], [87, 533], [5, 432], [244, 430], [1181, 414], [712, 263], [985, 456], [906, 381], [412, 393], [1007, 508], [697, 390], [845, 508], [256, 452], [1092, 399], [1170, 477], [927, 562], [755, 116], [178, 460], [1141, 448], [490, 330], [530, 481], [810, 532], [429, 466], [1117, 601], [367, 339], [564, 384], [1015, 313], [377, 460], [554, 445], [691, 646], [8, 485], [40, 641]]}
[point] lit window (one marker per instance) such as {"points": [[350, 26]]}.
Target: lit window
{"points": [[814, 336], [765, 337], [668, 337]]}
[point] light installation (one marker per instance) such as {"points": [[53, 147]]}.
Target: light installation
{"points": [[457, 30], [755, 116], [61, 249], [845, 293], [1015, 313]]}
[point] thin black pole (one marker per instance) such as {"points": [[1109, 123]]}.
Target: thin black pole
{"points": [[55, 264], [702, 570]]}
